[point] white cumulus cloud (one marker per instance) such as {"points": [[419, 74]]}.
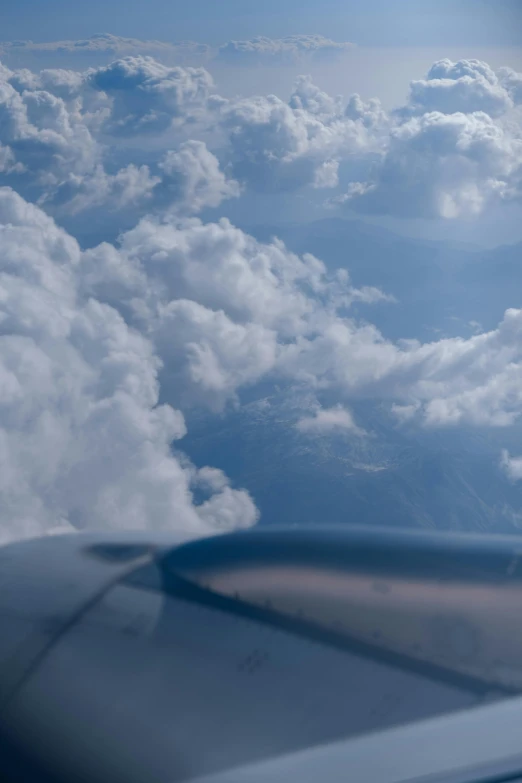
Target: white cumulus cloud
{"points": [[148, 97], [47, 140], [443, 165], [225, 311], [222, 308], [445, 383], [279, 146], [453, 150], [51, 150], [192, 178], [511, 80], [83, 441], [512, 466], [466, 86], [327, 421]]}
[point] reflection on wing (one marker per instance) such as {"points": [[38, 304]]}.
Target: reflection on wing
{"points": [[449, 604]]}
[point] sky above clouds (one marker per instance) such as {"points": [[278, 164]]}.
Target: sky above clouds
{"points": [[131, 296], [373, 23]]}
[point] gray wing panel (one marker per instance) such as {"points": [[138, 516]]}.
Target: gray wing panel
{"points": [[473, 746], [44, 584], [183, 690]]}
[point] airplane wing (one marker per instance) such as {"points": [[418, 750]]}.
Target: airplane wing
{"points": [[313, 654], [475, 746]]}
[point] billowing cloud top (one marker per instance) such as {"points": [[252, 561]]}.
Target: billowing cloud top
{"points": [[453, 150], [149, 97], [84, 442], [466, 86]]}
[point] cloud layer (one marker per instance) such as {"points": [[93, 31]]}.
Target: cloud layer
{"points": [[102, 46], [105, 349], [279, 51], [253, 51], [454, 150]]}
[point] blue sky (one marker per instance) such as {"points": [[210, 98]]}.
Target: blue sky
{"points": [[374, 22]]}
